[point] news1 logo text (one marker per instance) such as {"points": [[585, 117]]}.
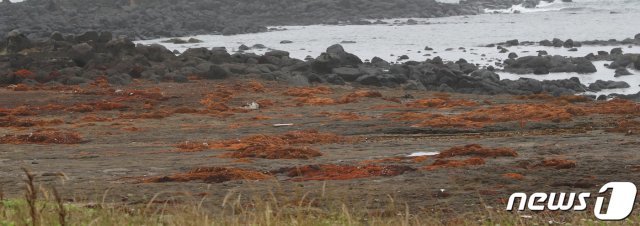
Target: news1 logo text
{"points": [[619, 207]]}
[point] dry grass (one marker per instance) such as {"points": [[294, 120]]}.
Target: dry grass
{"points": [[42, 206]]}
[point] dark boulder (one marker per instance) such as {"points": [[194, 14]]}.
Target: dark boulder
{"points": [[89, 36], [568, 43], [616, 51], [371, 80], [557, 42], [215, 72], [243, 47], [546, 43], [486, 75], [81, 54], [584, 66], [334, 57], [277, 53], [513, 42], [56, 36], [348, 74], [121, 45], [379, 62], [16, 42], [201, 53], [119, 79], [600, 85], [547, 64], [334, 79], [622, 72], [513, 55]]}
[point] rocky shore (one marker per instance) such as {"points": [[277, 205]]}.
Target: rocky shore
{"points": [[81, 59]]}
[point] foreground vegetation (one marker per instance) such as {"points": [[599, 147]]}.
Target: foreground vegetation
{"points": [[41, 206]]}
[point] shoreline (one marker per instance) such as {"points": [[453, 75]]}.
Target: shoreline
{"points": [[74, 60]]}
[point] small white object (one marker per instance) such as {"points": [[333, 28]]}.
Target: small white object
{"points": [[418, 154], [284, 124], [252, 106]]}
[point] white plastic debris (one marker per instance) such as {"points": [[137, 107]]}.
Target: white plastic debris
{"points": [[252, 106], [282, 124], [422, 153]]}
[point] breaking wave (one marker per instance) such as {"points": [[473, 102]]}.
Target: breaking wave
{"points": [[542, 7]]}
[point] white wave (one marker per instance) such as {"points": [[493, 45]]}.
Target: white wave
{"points": [[542, 7]]}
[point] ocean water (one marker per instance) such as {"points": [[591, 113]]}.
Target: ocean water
{"points": [[458, 37]]}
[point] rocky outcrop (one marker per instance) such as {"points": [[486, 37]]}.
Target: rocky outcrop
{"points": [[548, 64], [600, 85], [80, 59]]}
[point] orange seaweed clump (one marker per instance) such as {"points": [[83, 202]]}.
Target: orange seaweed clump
{"points": [[355, 96], [440, 103], [616, 106], [530, 112], [16, 122], [217, 101], [24, 73], [152, 94], [477, 150], [256, 86], [185, 110], [101, 106], [343, 172], [558, 100], [307, 91], [515, 176], [43, 137], [443, 163], [417, 159], [212, 175], [315, 100], [506, 113], [19, 87], [264, 103], [147, 115], [274, 152], [188, 146], [558, 163], [95, 118], [260, 117], [18, 111], [537, 96], [278, 146]]}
